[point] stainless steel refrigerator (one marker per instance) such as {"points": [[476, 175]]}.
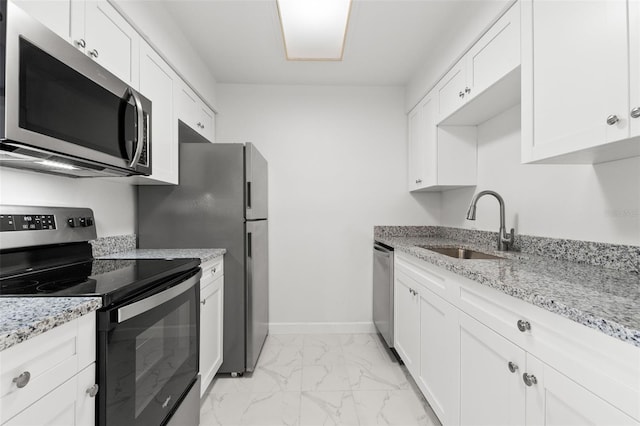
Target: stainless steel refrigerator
{"points": [[221, 202]]}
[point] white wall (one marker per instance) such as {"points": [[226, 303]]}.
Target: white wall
{"points": [[337, 167], [582, 202], [113, 203], [152, 19]]}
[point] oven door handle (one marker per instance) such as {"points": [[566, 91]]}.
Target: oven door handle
{"points": [[140, 307]]}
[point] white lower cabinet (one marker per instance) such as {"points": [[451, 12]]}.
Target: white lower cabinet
{"points": [[556, 400], [211, 320], [439, 355], [464, 349], [407, 321], [49, 379], [490, 393]]}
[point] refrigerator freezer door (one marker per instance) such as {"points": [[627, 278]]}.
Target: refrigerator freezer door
{"points": [[256, 183], [257, 290]]}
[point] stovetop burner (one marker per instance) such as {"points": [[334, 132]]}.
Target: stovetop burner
{"points": [[112, 280]]}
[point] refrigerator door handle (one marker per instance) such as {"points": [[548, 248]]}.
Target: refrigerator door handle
{"points": [[249, 244], [248, 195]]}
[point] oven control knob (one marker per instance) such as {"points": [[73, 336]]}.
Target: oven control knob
{"points": [[82, 222], [73, 222], [88, 221]]}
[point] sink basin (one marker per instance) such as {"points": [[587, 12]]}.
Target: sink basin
{"points": [[461, 253]]}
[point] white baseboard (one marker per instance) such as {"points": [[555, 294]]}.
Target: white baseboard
{"points": [[321, 327]]}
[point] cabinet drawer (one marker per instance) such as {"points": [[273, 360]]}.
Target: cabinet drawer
{"points": [[211, 271], [606, 366], [432, 278], [50, 359]]}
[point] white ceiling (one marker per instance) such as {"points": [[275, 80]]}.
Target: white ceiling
{"points": [[387, 40]]}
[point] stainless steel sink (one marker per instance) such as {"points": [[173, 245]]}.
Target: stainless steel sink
{"points": [[461, 253]]}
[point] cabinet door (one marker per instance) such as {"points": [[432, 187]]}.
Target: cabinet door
{"points": [[423, 145], [429, 141], [207, 122], [211, 312], [156, 83], [439, 356], [54, 14], [450, 91], [85, 399], [111, 41], [495, 54], [556, 400], [407, 321], [414, 149], [58, 407], [634, 61], [188, 108], [490, 394], [575, 74]]}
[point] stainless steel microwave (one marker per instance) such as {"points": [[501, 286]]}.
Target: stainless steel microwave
{"points": [[61, 112]]}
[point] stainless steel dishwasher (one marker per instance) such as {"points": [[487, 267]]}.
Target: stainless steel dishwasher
{"points": [[383, 291]]}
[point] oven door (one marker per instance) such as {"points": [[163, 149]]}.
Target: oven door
{"points": [[148, 354], [60, 101]]}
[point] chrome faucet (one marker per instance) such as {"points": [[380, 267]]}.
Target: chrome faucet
{"points": [[504, 239]]}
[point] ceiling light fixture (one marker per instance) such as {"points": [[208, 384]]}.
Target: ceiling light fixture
{"points": [[314, 30]]}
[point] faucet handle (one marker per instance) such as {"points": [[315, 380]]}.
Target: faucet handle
{"points": [[509, 236]]}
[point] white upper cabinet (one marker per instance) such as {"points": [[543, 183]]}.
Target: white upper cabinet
{"points": [[452, 89], [440, 157], [195, 113], [110, 41], [95, 28], [486, 81], [579, 76], [157, 82], [54, 14]]}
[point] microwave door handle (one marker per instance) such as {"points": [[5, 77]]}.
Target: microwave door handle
{"points": [[139, 126]]}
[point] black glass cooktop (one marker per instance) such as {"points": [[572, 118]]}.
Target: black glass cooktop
{"points": [[114, 280]]}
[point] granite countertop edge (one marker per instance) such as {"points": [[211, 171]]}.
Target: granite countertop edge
{"points": [[22, 318], [604, 325], [203, 254]]}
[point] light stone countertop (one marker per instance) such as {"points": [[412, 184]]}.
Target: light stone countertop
{"points": [[22, 318], [203, 254], [607, 300]]}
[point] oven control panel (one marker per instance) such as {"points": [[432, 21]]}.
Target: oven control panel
{"points": [[26, 222], [26, 226], [80, 222]]}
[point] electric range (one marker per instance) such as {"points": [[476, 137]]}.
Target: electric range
{"points": [[150, 312]]}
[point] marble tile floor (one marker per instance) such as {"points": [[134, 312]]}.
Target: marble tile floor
{"points": [[307, 380]]}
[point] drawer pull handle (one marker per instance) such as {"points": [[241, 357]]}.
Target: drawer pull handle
{"points": [[513, 367], [524, 325], [213, 271], [612, 119], [22, 380], [93, 53], [204, 302], [93, 390], [529, 379], [635, 113]]}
